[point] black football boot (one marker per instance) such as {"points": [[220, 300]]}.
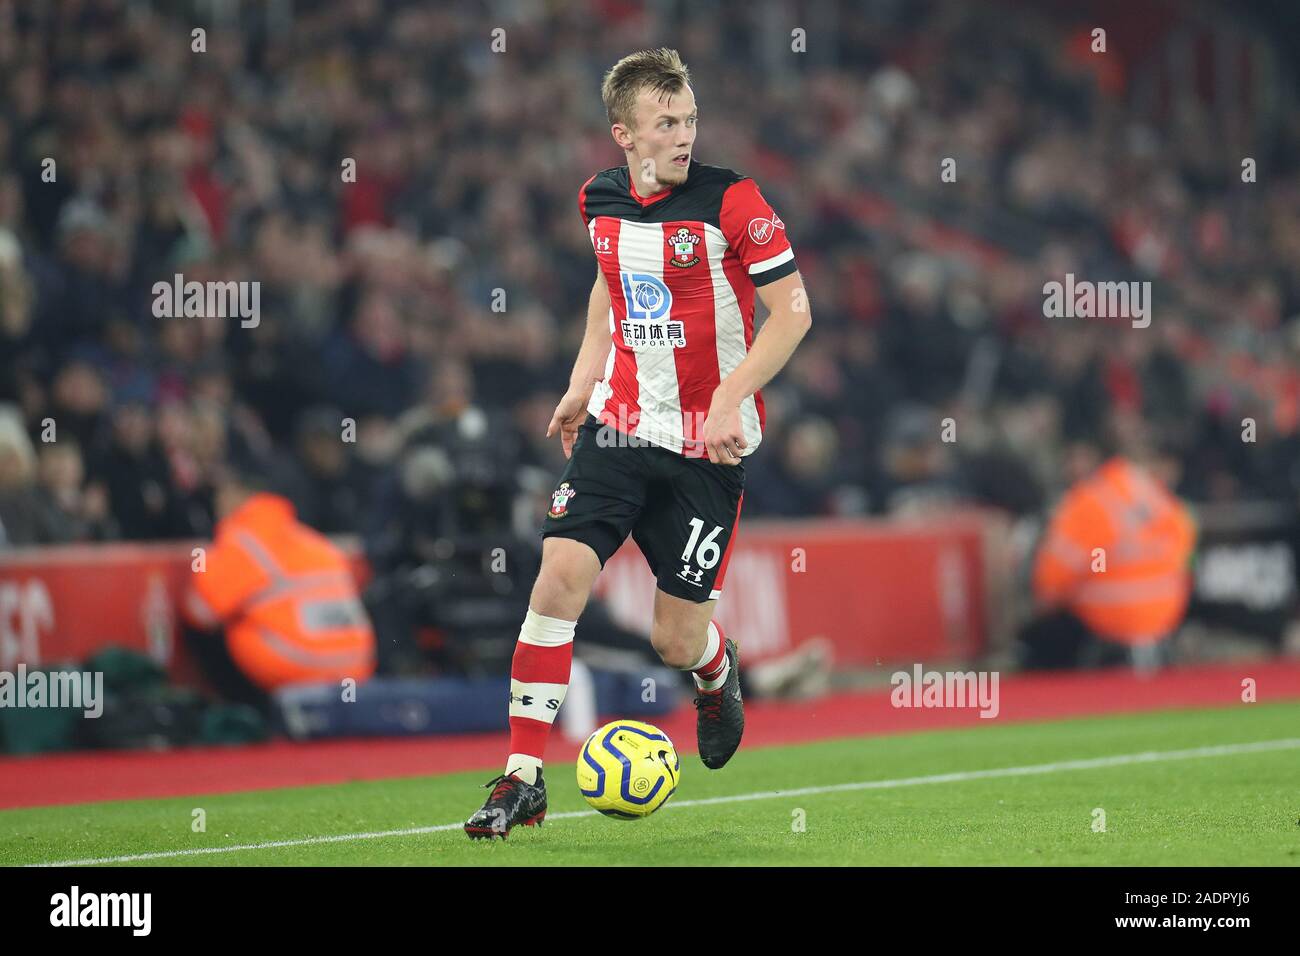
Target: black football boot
{"points": [[720, 718], [512, 803]]}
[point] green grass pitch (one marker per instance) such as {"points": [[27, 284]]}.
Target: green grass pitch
{"points": [[1230, 806]]}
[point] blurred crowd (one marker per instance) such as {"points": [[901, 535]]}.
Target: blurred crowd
{"points": [[447, 283]]}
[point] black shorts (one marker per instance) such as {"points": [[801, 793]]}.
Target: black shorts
{"points": [[682, 512]]}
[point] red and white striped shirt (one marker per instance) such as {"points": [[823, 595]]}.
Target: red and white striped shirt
{"points": [[682, 267]]}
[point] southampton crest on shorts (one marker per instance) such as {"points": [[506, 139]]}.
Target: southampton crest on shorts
{"points": [[560, 500], [683, 242]]}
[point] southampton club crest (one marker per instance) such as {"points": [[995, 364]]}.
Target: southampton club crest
{"points": [[683, 242], [560, 500]]}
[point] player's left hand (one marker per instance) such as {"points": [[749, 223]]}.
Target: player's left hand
{"points": [[724, 439]]}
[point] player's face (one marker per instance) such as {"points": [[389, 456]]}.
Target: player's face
{"points": [[664, 138]]}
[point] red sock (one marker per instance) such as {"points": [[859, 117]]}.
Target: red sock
{"points": [[539, 676]]}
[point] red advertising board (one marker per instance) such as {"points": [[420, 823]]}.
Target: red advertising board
{"points": [[61, 604], [880, 593]]}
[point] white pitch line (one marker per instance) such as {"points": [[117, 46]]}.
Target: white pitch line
{"points": [[1119, 760]]}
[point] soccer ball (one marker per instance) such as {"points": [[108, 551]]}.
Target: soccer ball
{"points": [[628, 769]]}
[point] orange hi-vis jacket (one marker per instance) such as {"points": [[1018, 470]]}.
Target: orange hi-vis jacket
{"points": [[286, 596], [1116, 554]]}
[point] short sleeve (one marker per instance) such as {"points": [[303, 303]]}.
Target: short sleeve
{"points": [[756, 233]]}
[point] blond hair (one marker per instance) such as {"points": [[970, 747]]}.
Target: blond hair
{"points": [[661, 71]]}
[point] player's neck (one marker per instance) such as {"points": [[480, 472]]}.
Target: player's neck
{"points": [[644, 189]]}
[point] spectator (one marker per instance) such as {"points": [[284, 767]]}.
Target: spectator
{"points": [[77, 511], [274, 603], [330, 493], [1111, 574], [135, 472], [22, 520]]}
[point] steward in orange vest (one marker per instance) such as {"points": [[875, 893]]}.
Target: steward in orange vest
{"points": [[284, 594], [1115, 557]]}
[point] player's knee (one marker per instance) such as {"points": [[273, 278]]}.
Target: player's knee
{"points": [[560, 591]]}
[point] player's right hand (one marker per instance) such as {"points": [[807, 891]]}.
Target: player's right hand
{"points": [[569, 414]]}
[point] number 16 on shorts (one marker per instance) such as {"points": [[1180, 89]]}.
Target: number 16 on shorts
{"points": [[706, 554]]}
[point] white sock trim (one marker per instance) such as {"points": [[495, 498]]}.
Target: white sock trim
{"points": [[546, 631], [524, 766]]}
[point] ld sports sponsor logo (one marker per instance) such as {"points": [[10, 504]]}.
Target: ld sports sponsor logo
{"points": [[649, 303]]}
